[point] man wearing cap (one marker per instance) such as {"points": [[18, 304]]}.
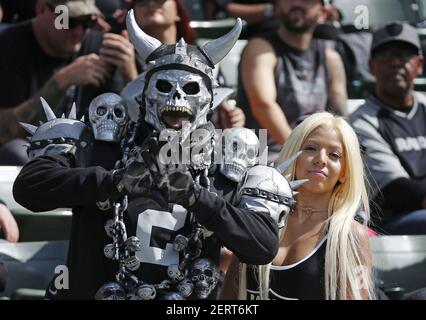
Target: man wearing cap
{"points": [[391, 128], [287, 75], [56, 56]]}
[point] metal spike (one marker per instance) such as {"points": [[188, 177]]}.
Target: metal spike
{"points": [[297, 183], [180, 47], [82, 119], [50, 115], [63, 116], [295, 193], [284, 166], [288, 177], [28, 127], [73, 112]]}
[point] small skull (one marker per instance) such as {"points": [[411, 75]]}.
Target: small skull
{"points": [[111, 291], [147, 292], [172, 296], [109, 251], [108, 117], [180, 243], [185, 288], [132, 263], [132, 244], [240, 151], [109, 227], [174, 273], [205, 275]]}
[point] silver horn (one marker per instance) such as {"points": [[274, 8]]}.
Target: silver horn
{"points": [[143, 43], [217, 49]]}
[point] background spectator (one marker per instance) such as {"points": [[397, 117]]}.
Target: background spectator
{"points": [[391, 128], [61, 65], [287, 75]]}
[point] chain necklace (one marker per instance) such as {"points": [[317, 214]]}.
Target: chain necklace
{"points": [[310, 210]]}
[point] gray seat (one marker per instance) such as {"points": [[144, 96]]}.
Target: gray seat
{"points": [[400, 261], [31, 264]]}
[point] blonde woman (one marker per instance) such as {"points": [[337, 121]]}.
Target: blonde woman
{"points": [[323, 252]]}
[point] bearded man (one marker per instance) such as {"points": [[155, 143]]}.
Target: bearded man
{"points": [[287, 75]]}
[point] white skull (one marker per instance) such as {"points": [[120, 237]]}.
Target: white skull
{"points": [[147, 292], [240, 152], [108, 117], [111, 291], [174, 97], [174, 273], [266, 190], [185, 288], [109, 251], [205, 274], [172, 296]]}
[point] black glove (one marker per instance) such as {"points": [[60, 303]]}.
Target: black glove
{"points": [[134, 179], [180, 187]]}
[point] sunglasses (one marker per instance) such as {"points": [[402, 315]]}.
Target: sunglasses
{"points": [[146, 2], [87, 22]]}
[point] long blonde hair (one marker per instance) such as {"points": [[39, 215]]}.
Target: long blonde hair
{"points": [[344, 261]]}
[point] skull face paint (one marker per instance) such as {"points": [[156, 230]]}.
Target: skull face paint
{"points": [[108, 117], [174, 97], [240, 152]]}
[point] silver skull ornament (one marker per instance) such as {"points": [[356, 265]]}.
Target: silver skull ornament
{"points": [[265, 189], [240, 151], [111, 291], [205, 274], [147, 292], [108, 117], [174, 273]]}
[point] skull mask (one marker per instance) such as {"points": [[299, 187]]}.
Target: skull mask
{"points": [[111, 291], [205, 275], [179, 78], [108, 117], [175, 96], [240, 151], [265, 189]]}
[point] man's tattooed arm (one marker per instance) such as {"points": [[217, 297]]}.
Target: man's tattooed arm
{"points": [[28, 111]]}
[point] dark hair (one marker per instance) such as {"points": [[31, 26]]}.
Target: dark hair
{"points": [[184, 30]]}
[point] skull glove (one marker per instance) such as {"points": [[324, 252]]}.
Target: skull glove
{"points": [[134, 179]]}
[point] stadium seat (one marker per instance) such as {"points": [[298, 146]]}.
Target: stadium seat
{"points": [[400, 261], [31, 265]]}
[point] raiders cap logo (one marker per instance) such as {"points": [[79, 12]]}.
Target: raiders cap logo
{"points": [[394, 29]]}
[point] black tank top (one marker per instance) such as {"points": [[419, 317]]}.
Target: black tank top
{"points": [[301, 79], [303, 280]]}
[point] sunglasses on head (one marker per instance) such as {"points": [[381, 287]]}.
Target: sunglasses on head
{"points": [[146, 2]]}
